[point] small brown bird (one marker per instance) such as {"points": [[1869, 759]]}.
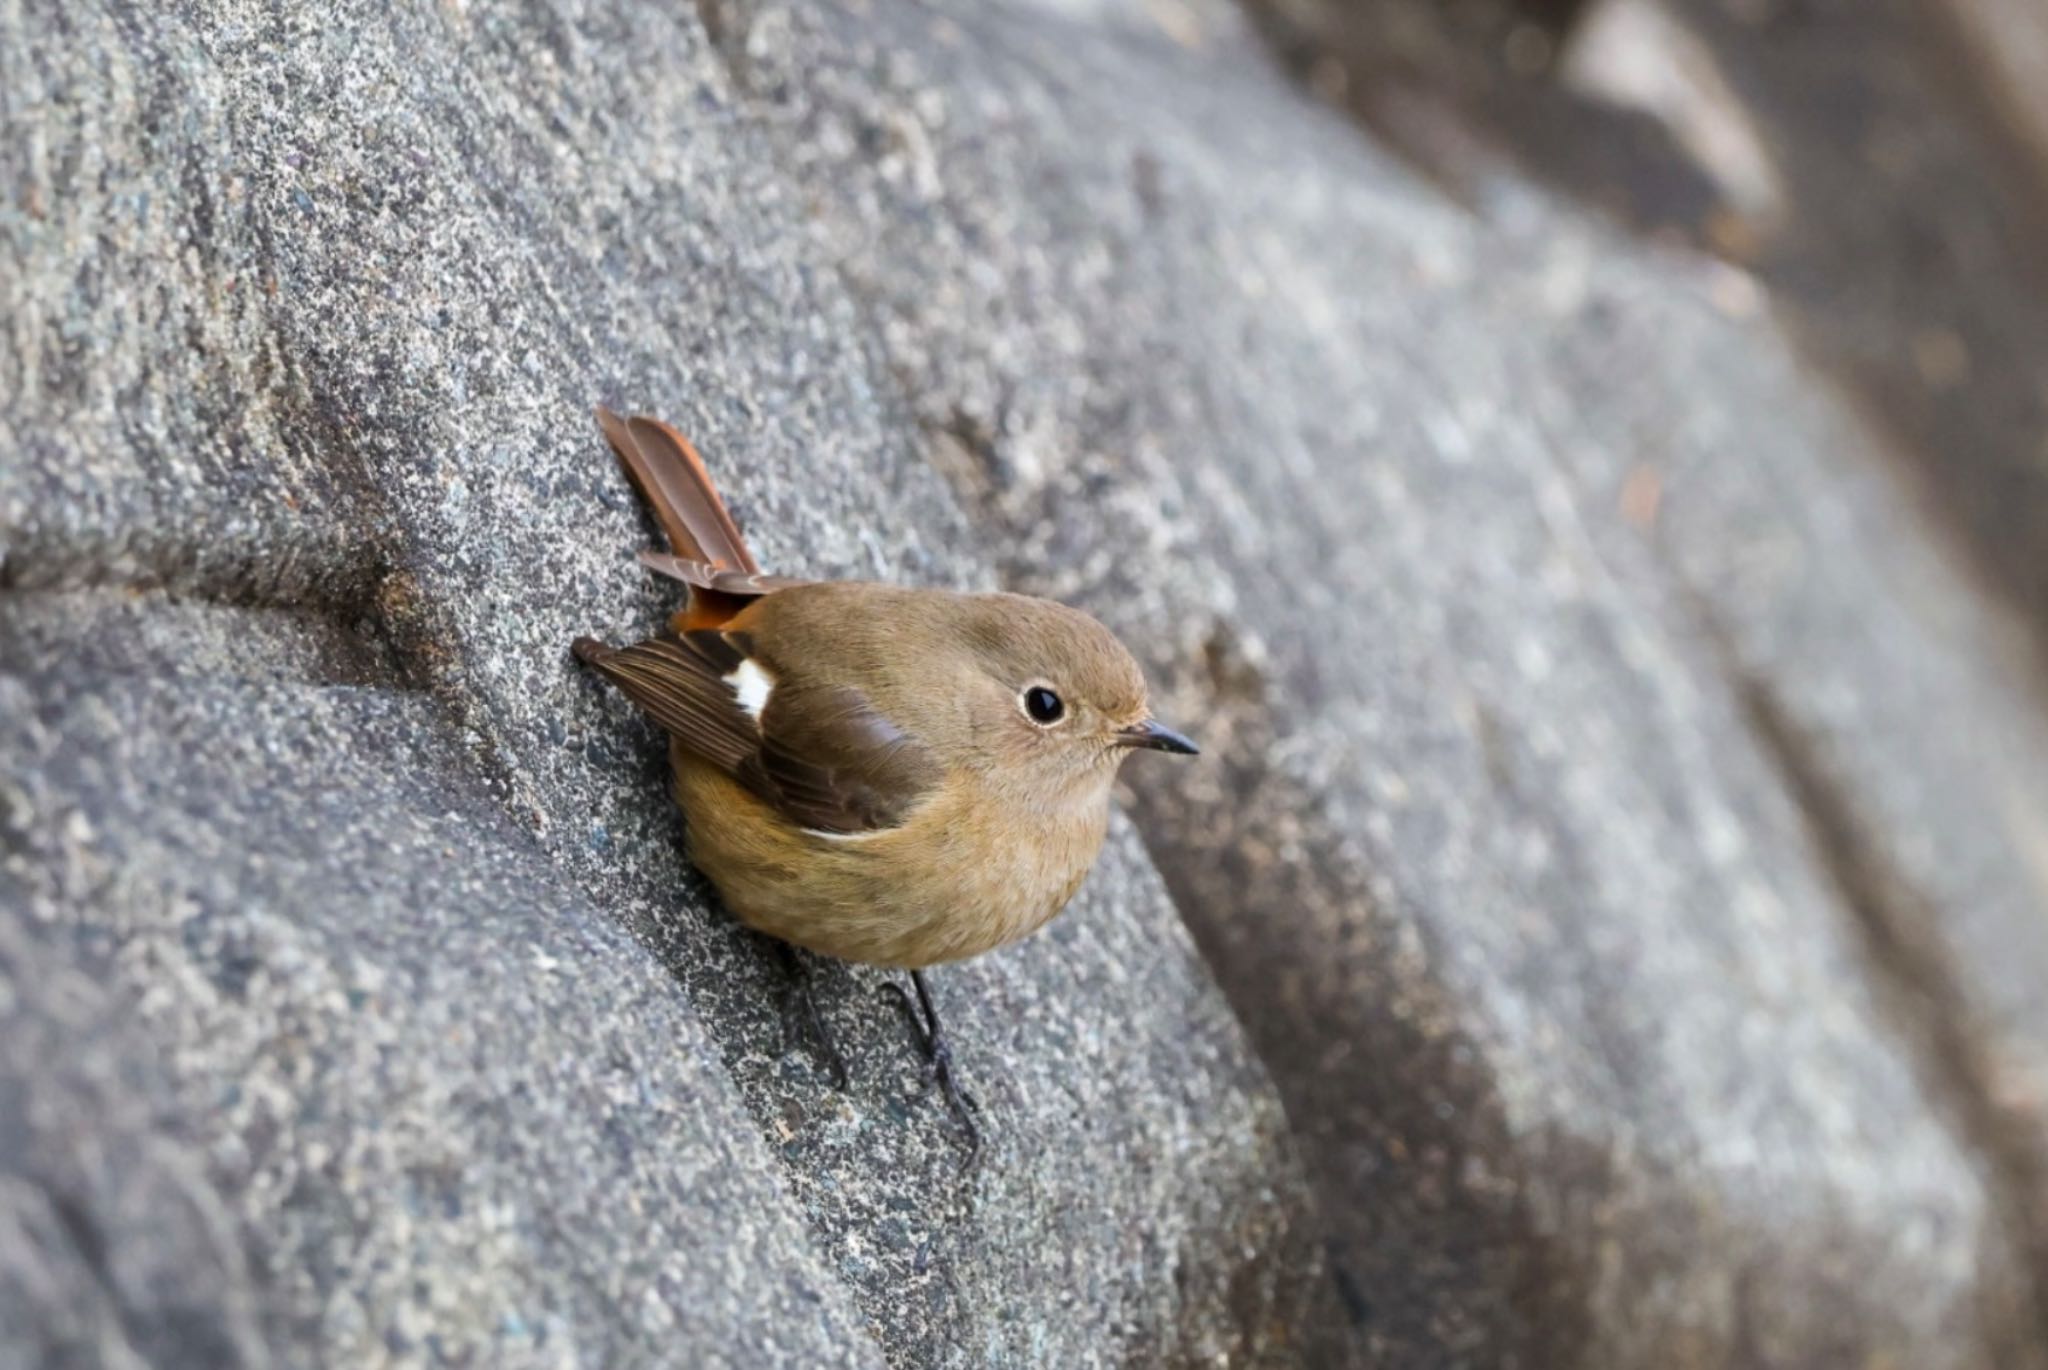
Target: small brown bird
{"points": [[897, 776]]}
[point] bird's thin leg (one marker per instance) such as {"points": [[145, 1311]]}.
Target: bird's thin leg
{"points": [[800, 1015], [938, 1055]]}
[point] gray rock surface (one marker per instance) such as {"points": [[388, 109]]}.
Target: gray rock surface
{"points": [[312, 1049], [1638, 950], [1545, 860], [453, 1060]]}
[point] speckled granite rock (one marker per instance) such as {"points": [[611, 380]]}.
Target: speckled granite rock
{"points": [[358, 1007], [1559, 935], [443, 1053], [316, 1057]]}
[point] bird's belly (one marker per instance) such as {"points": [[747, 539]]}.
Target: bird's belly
{"points": [[936, 889]]}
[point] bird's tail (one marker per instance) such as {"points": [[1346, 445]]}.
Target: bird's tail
{"points": [[671, 477]]}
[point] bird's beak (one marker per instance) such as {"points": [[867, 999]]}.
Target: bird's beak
{"points": [[1156, 735]]}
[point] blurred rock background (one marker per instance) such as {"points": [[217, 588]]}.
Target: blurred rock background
{"points": [[1578, 468]]}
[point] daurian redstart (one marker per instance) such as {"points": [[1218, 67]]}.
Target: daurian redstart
{"points": [[878, 773]]}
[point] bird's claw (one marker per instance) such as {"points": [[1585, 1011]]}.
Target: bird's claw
{"points": [[938, 1060], [959, 1102]]}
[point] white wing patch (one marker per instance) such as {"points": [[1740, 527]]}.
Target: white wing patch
{"points": [[845, 836], [753, 686]]}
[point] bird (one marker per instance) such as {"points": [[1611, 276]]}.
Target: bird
{"points": [[892, 775]]}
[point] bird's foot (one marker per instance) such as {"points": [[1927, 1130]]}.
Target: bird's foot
{"points": [[938, 1056], [801, 1018]]}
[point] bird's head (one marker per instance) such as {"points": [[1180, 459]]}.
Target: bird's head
{"points": [[1054, 698]]}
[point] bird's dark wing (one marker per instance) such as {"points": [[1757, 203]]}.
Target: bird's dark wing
{"points": [[682, 692], [820, 754]]}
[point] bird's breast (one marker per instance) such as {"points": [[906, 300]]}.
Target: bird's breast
{"points": [[999, 875], [965, 873]]}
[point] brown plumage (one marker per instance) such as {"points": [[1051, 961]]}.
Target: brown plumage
{"points": [[883, 774]]}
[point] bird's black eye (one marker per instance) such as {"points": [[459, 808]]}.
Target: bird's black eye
{"points": [[1043, 706]]}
